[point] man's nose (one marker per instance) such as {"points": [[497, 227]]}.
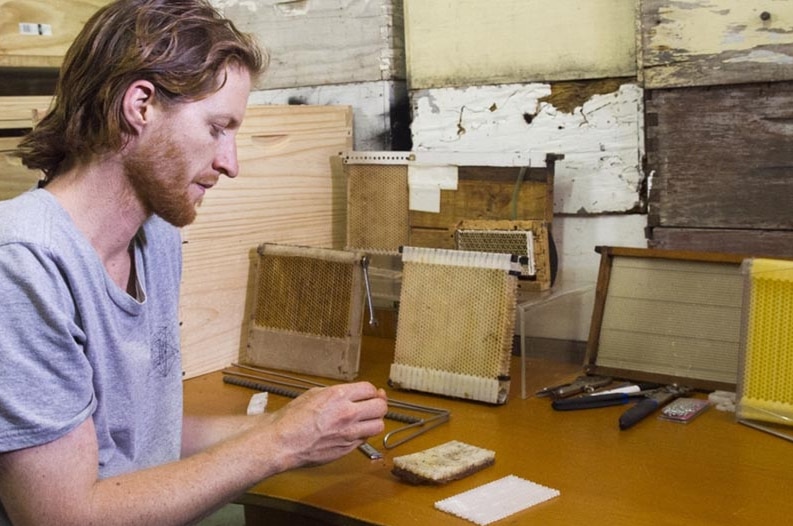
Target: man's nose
{"points": [[226, 159]]}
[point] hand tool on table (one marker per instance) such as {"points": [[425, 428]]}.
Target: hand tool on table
{"points": [[582, 384], [648, 401]]}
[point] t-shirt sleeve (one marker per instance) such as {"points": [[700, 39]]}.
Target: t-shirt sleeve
{"points": [[45, 378]]}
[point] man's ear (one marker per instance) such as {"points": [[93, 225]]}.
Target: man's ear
{"points": [[138, 104]]}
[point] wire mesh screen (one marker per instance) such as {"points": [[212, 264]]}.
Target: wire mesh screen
{"points": [[456, 321], [766, 382], [299, 294], [377, 201], [307, 309], [517, 242]]}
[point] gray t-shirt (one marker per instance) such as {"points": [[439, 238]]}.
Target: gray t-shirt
{"points": [[74, 345]]}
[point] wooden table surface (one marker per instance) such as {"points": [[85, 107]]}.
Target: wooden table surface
{"points": [[710, 471]]}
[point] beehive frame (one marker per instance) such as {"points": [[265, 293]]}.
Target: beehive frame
{"points": [[307, 311], [765, 387], [456, 322], [667, 316], [536, 274]]}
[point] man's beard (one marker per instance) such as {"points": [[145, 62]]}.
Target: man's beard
{"points": [[157, 174]]}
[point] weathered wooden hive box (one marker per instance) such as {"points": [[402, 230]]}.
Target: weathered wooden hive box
{"points": [[328, 42]]}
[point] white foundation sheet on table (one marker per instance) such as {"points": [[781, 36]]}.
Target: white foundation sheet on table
{"points": [[496, 500]]}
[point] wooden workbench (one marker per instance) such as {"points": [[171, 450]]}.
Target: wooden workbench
{"points": [[710, 471]]}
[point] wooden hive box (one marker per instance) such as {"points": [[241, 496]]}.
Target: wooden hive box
{"points": [[285, 193], [37, 33], [422, 199], [721, 168], [17, 115], [328, 42]]}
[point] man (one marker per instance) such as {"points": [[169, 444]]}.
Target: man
{"points": [[149, 100]]}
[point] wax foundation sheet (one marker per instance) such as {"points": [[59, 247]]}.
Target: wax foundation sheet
{"points": [[496, 500]]}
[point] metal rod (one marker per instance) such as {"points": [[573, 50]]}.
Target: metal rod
{"points": [[369, 301]]}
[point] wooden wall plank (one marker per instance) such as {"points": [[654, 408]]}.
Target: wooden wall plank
{"points": [[471, 42], [50, 28], [328, 42], [721, 157], [769, 243], [285, 193], [701, 42], [21, 112]]}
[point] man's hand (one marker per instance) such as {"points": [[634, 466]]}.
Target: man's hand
{"points": [[326, 423]]}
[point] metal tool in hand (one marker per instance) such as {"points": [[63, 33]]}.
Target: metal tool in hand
{"points": [[417, 424], [582, 384], [649, 401]]}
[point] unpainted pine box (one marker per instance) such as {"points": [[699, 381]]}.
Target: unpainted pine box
{"points": [[701, 42], [37, 33], [328, 42], [285, 193], [473, 42], [17, 116], [722, 168]]}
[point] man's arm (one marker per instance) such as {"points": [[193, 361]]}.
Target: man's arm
{"points": [[56, 483]]}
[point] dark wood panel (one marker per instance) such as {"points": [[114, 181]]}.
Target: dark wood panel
{"points": [[721, 156], [751, 242]]}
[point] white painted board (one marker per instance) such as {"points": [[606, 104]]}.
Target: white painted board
{"points": [[601, 171]]}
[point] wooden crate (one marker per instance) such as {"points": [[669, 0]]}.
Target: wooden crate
{"points": [[17, 115], [328, 42], [37, 33], [471, 42], [699, 42], [285, 193], [421, 199], [721, 168]]}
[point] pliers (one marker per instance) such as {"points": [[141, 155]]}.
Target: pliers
{"points": [[652, 399], [579, 385]]}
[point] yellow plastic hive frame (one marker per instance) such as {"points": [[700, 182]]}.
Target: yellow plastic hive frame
{"points": [[765, 383]]}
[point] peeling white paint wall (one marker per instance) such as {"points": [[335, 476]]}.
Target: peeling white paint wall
{"points": [[601, 171]]}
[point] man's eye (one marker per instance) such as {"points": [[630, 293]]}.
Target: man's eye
{"points": [[218, 131]]}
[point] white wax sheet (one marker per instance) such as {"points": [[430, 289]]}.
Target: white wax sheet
{"points": [[496, 500]]}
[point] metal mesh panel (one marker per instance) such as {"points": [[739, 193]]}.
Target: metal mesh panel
{"points": [[377, 215], [455, 326], [303, 295], [518, 242]]}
